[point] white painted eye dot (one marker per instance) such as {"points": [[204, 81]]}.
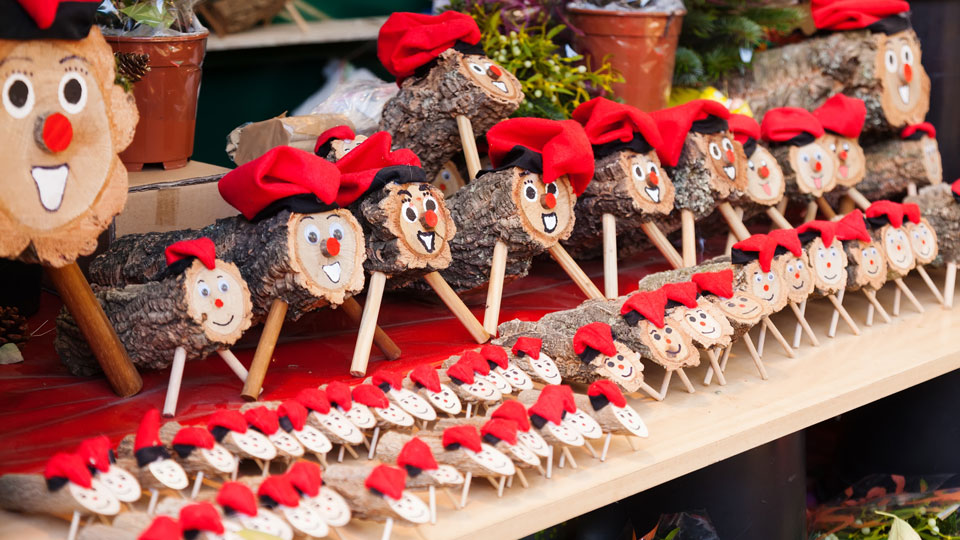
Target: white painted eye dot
{"points": [[652, 168], [750, 165], [530, 192], [223, 285], [906, 54], [445, 174], [18, 96], [336, 231], [799, 265], [790, 268], [409, 212], [846, 147], [477, 68], [311, 234], [727, 145], [715, 151], [429, 203], [770, 276], [805, 158], [833, 252], [890, 61], [819, 156], [73, 92], [759, 278], [820, 253], [833, 147], [203, 289], [638, 172]]}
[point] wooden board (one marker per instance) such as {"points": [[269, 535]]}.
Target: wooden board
{"points": [[691, 431], [278, 35]]}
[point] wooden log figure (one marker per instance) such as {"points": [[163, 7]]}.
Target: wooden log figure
{"points": [[378, 493], [335, 142], [897, 163], [629, 187], [866, 264], [500, 364], [923, 242], [842, 119], [307, 478], [388, 415], [606, 404], [240, 511], [157, 470], [828, 264], [200, 454], [469, 384], [231, 430], [329, 421], [765, 185], [278, 494], [423, 471], [100, 458], [449, 180], [871, 54], [573, 418], [342, 399], [885, 219], [521, 208], [450, 92], [940, 206], [425, 380], [67, 120], [796, 139], [414, 404]]}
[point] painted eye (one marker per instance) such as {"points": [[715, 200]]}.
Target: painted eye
{"points": [[820, 253], [833, 252], [610, 364], [552, 188], [445, 174], [223, 285], [751, 166], [336, 231], [727, 145], [477, 68], [409, 212], [805, 158], [890, 61], [846, 147], [73, 92], [203, 289], [731, 305], [429, 204], [833, 147], [638, 172], [619, 357], [18, 96], [530, 193], [906, 54], [770, 276], [790, 267], [799, 265], [668, 330], [656, 337], [759, 278], [715, 151], [819, 156], [652, 169], [703, 315], [311, 234], [691, 318]]}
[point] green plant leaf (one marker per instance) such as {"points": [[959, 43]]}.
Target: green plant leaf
{"points": [[900, 529]]}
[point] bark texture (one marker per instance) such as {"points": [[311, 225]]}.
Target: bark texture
{"points": [[28, 493], [943, 212], [348, 481], [892, 164]]}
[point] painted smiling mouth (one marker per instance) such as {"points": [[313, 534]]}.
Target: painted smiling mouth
{"points": [[502, 86], [904, 92], [817, 180], [765, 299], [653, 193], [51, 183], [332, 271], [224, 324], [730, 171], [710, 333], [800, 286], [427, 240], [751, 311], [628, 374], [830, 278], [673, 354], [843, 170], [766, 189], [549, 222]]}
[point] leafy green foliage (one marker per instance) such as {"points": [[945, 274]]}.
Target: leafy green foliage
{"points": [[127, 16]]}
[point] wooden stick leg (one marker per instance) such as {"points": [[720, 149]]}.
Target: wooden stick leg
{"points": [[870, 311], [368, 324], [715, 365], [264, 352], [835, 318], [686, 381], [197, 482], [762, 340], [689, 236], [606, 447], [176, 377], [498, 268], [522, 478], [651, 391], [469, 143], [562, 461], [493, 482], [510, 480], [74, 525], [862, 202], [96, 329], [734, 220], [453, 500], [457, 307], [804, 324], [576, 273], [354, 310], [843, 314], [503, 482], [949, 285], [826, 208], [550, 463], [775, 332], [297, 17], [776, 216], [633, 445], [901, 286], [798, 330], [152, 505], [926, 279], [659, 240], [756, 357], [432, 497], [373, 443], [590, 449], [811, 213], [466, 489], [726, 356], [665, 385], [233, 363], [569, 455], [610, 256], [387, 529]]}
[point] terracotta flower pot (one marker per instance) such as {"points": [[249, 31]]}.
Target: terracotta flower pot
{"points": [[640, 45], [166, 98]]}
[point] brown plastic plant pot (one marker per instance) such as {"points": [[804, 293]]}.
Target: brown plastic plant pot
{"points": [[166, 98], [640, 45]]}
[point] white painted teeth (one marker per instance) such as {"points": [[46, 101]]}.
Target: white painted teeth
{"points": [[653, 193], [904, 92], [51, 183], [502, 86], [332, 271], [731, 171], [426, 238], [549, 222]]}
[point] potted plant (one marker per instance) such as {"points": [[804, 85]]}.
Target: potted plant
{"points": [[168, 32]]}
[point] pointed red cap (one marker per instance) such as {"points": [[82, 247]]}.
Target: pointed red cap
{"points": [[201, 248], [915, 131], [719, 283], [763, 247], [462, 370], [417, 453], [853, 227], [675, 124], [391, 379], [95, 451], [911, 211], [465, 435], [495, 354], [305, 477], [161, 528], [597, 336], [148, 434], [369, 165], [606, 121], [684, 292], [200, 517], [842, 115], [279, 490], [227, 419], [426, 376], [564, 393], [370, 395], [527, 345], [609, 390], [294, 412], [783, 124], [408, 41], [826, 230], [515, 411], [889, 210], [650, 305], [316, 400], [476, 361], [238, 498], [338, 392], [262, 419], [549, 406], [853, 14], [501, 428], [743, 128], [330, 135], [194, 436], [387, 480], [70, 467]]}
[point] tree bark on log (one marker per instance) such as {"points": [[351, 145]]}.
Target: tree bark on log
{"points": [[943, 212], [423, 114], [348, 481], [892, 164], [28, 493]]}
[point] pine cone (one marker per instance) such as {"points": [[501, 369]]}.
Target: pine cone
{"points": [[132, 66], [13, 326]]}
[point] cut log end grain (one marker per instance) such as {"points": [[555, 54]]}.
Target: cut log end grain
{"points": [[939, 207]]}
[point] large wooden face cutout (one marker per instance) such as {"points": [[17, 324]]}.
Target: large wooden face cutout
{"points": [[725, 157], [219, 300], [932, 164], [328, 252], [869, 264], [704, 324], [896, 247], [625, 368], [669, 346], [906, 86], [767, 286], [449, 180], [850, 160], [420, 221], [742, 307], [493, 79], [647, 183], [797, 276], [97, 498], [546, 210], [814, 166], [829, 265], [923, 240], [765, 183], [62, 123]]}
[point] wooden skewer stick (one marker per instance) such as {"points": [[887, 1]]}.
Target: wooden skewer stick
{"points": [[264, 352], [453, 499], [926, 279], [387, 529], [874, 303], [503, 482], [862, 202], [565, 452], [761, 340], [911, 189], [606, 446], [949, 285], [708, 378], [835, 318], [373, 442], [354, 310], [498, 269], [152, 505], [610, 256], [826, 208], [756, 357], [198, 481], [576, 273], [651, 391], [804, 324], [689, 237], [74, 525], [734, 221], [469, 143], [843, 314], [731, 237], [457, 307], [522, 477], [176, 377], [776, 216], [466, 489], [811, 213], [93, 323], [368, 325], [297, 17], [775, 332], [870, 311], [233, 363], [494, 483], [590, 449], [686, 381], [901, 286], [715, 366], [659, 240], [665, 385], [896, 302], [549, 463]]}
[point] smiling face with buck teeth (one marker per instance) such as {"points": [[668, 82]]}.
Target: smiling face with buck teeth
{"points": [[904, 82], [870, 266], [923, 240], [546, 210], [66, 120], [742, 307], [896, 246], [669, 347], [491, 78], [764, 177], [850, 160], [829, 265], [625, 368], [797, 279], [646, 182], [328, 252], [219, 300], [705, 326], [814, 166], [767, 286], [725, 157], [422, 223]]}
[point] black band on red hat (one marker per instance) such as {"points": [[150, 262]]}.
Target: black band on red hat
{"points": [[710, 124], [304, 203], [395, 174], [184, 450], [462, 47], [637, 144], [802, 139], [892, 24], [285, 424], [412, 470], [520, 157], [73, 21], [740, 257], [749, 146], [599, 401], [588, 355], [149, 454]]}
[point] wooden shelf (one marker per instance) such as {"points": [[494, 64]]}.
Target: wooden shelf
{"points": [[691, 431], [280, 35]]}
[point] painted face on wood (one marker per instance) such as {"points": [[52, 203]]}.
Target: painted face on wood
{"points": [[742, 307], [313, 440], [765, 183], [361, 416], [445, 400], [449, 179], [516, 377], [584, 423], [392, 414], [535, 442], [423, 223], [923, 240], [329, 249], [565, 434], [897, 248], [797, 277], [62, 123], [669, 346], [497, 381], [493, 79], [97, 498], [544, 368], [169, 473], [870, 265], [332, 507], [219, 300], [625, 369], [905, 84], [482, 390], [123, 485], [829, 265], [286, 443], [814, 166], [725, 157], [850, 160], [337, 424], [341, 147], [705, 326], [254, 444], [447, 475], [413, 404], [266, 522], [546, 210], [410, 508], [306, 519], [767, 286], [647, 183], [219, 458], [492, 459], [522, 454], [932, 164]]}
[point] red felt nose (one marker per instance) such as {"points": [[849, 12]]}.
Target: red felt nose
{"points": [[766, 287], [57, 132], [818, 166], [764, 172], [494, 72], [702, 323], [796, 276], [652, 178], [907, 72], [218, 302], [730, 156], [430, 218], [550, 201], [333, 247], [843, 155], [828, 265]]}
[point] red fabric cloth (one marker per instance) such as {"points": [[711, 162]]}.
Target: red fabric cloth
{"points": [[387, 480], [315, 400], [370, 395], [194, 436], [95, 451], [608, 389], [410, 40], [201, 248], [427, 376], [955, 188], [827, 229], [476, 361], [925, 127], [912, 212], [279, 173], [263, 419], [417, 453], [200, 517], [305, 477], [852, 227], [597, 336], [279, 488], [888, 209], [338, 392], [684, 292], [360, 166], [148, 433], [334, 133], [295, 412], [495, 354], [465, 435], [237, 497], [44, 12], [718, 283], [161, 528], [501, 428], [462, 370], [743, 128], [564, 393], [514, 411], [549, 407], [69, 466], [674, 124], [528, 346], [853, 14], [606, 121], [229, 419], [393, 379], [786, 238], [562, 143], [784, 123], [765, 245], [843, 115], [650, 304]]}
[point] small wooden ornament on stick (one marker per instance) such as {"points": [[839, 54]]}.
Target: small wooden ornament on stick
{"points": [[231, 430], [899, 164], [940, 207], [423, 471], [606, 404], [886, 220], [765, 185], [573, 418], [65, 122], [278, 494], [241, 510], [467, 380], [866, 264], [828, 263], [425, 381], [842, 119], [329, 421]]}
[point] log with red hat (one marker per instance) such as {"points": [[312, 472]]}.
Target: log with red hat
{"points": [[378, 493], [450, 91], [886, 221], [573, 418], [425, 380], [198, 452], [939, 206], [796, 140], [467, 375], [240, 507], [765, 185], [827, 265], [842, 120]]}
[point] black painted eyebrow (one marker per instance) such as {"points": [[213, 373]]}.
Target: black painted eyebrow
{"points": [[404, 192], [24, 58], [330, 216], [424, 187], [73, 57], [307, 217]]}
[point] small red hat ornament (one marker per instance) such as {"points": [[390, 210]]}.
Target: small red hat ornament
{"points": [[465, 436], [514, 411], [292, 415], [47, 19], [499, 429], [719, 283], [416, 456], [495, 356], [315, 400], [306, 477], [191, 437], [225, 421], [854, 14], [826, 230], [914, 132], [564, 393], [603, 392], [461, 371], [853, 226], [63, 468], [277, 490], [339, 394], [147, 446], [684, 293], [262, 419], [842, 115], [235, 497], [746, 131], [202, 248], [370, 395], [409, 41], [372, 164], [386, 380], [675, 123], [612, 127], [387, 481], [322, 148], [764, 247], [527, 346], [427, 377], [548, 408], [650, 305], [881, 213], [97, 452], [161, 528], [790, 125], [955, 189], [593, 339], [200, 517], [476, 362]]}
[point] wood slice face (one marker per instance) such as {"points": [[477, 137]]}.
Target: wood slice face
{"points": [[645, 181], [705, 325], [829, 264], [97, 498], [798, 277], [765, 183], [218, 300], [498, 83], [67, 121], [669, 346], [340, 147], [742, 308], [813, 167], [725, 158], [417, 216], [905, 85], [932, 164], [850, 159], [866, 265], [546, 210], [448, 180], [923, 240], [896, 249], [330, 274], [767, 286], [625, 368]]}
